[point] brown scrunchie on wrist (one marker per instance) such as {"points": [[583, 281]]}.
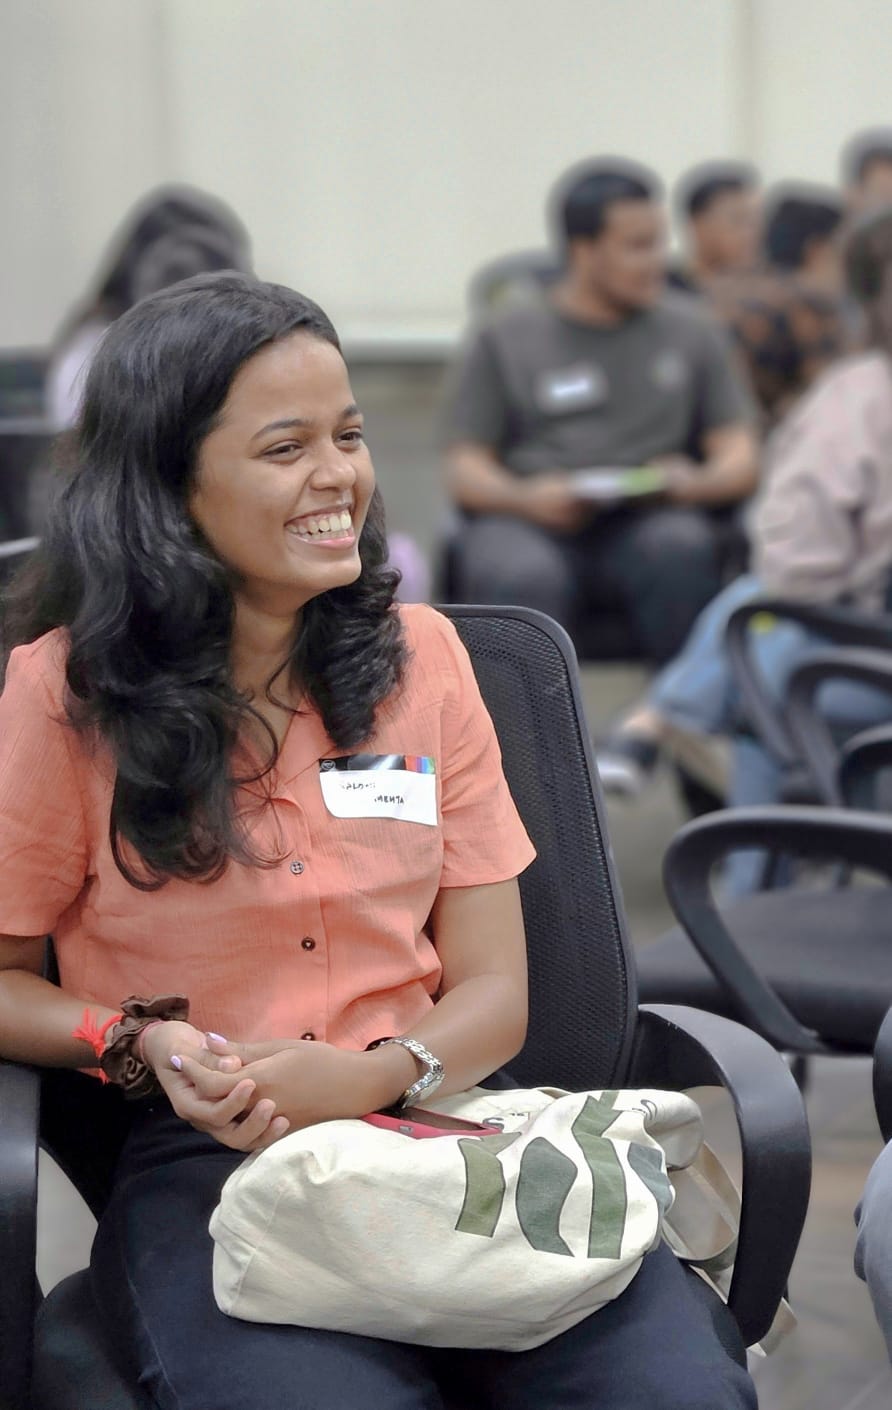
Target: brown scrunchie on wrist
{"points": [[120, 1060]]}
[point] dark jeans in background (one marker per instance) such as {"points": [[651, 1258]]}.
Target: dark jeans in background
{"points": [[655, 1346], [658, 565]]}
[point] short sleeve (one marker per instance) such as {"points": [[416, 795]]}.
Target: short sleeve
{"points": [[722, 397], [43, 842], [484, 839], [477, 407]]}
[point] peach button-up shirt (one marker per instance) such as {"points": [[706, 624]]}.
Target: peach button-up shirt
{"points": [[332, 941]]}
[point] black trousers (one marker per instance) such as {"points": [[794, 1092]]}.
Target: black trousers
{"points": [[151, 1271], [658, 565]]}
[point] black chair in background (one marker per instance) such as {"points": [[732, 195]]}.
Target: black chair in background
{"points": [[512, 280], [808, 964], [778, 725], [586, 1031], [13, 553]]}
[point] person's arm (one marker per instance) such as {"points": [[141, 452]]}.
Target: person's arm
{"points": [[477, 1025], [478, 483], [38, 1019], [728, 468], [730, 472]]}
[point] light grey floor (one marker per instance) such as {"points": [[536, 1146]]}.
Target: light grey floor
{"points": [[835, 1360]]}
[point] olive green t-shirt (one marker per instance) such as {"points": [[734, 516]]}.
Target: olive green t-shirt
{"points": [[546, 392]]}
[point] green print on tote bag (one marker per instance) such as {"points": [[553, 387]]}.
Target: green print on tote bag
{"points": [[500, 1241], [546, 1177]]}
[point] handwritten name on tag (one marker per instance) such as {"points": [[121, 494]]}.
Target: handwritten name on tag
{"points": [[402, 786]]}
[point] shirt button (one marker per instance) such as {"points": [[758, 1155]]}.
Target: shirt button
{"points": [[308, 1037], [308, 943], [297, 868]]}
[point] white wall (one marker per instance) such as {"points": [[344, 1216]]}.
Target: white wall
{"points": [[823, 70], [83, 137], [380, 150]]}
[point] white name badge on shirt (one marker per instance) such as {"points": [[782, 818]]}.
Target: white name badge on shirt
{"points": [[577, 388], [400, 786]]}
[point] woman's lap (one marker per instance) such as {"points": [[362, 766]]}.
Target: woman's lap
{"points": [[151, 1271]]}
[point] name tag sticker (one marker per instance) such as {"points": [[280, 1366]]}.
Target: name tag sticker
{"points": [[572, 389], [400, 786]]}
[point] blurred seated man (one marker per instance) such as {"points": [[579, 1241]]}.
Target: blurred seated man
{"points": [[720, 210], [603, 372], [866, 170]]}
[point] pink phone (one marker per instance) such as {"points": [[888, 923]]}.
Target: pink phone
{"points": [[422, 1124]]}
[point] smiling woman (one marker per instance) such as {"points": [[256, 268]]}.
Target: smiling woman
{"points": [[230, 764]]}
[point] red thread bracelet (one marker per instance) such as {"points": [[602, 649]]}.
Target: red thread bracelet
{"points": [[93, 1033]]}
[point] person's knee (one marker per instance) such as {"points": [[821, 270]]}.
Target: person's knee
{"points": [[873, 1249], [678, 536], [513, 566], [710, 1389]]}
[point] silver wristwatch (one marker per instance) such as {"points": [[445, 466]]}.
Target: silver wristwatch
{"points": [[431, 1077]]}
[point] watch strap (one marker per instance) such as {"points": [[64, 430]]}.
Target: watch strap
{"points": [[429, 1080]]}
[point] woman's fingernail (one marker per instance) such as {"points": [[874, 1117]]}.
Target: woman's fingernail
{"points": [[218, 1037], [177, 1062]]}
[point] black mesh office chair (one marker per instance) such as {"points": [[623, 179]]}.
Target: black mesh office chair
{"points": [[586, 1030]]}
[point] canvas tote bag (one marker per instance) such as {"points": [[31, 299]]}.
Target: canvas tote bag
{"points": [[499, 1241]]}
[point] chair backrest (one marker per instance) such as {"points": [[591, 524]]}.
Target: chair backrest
{"points": [[582, 980], [511, 280], [22, 379]]}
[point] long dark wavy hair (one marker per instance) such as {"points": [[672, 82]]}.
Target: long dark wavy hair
{"points": [[149, 609]]}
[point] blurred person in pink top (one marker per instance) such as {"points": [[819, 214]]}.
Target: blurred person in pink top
{"points": [[821, 532]]}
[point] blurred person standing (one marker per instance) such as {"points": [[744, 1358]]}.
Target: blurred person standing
{"points": [[172, 233], [719, 207], [606, 371]]}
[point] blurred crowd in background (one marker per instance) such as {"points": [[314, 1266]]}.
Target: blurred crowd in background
{"points": [[634, 440]]}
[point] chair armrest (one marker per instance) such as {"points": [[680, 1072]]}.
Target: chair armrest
{"points": [[810, 729], [845, 626], [828, 834], [19, 1125], [882, 1077], [861, 759], [677, 1047]]}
